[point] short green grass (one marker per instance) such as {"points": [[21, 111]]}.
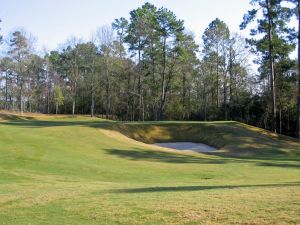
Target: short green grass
{"points": [[64, 170]]}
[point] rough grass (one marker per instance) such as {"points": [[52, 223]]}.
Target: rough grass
{"points": [[65, 170]]}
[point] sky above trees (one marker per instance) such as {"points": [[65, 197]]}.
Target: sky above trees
{"points": [[52, 22]]}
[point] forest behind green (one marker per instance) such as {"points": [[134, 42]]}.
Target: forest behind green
{"points": [[146, 65]]}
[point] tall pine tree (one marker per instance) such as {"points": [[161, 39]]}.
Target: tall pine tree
{"points": [[273, 40]]}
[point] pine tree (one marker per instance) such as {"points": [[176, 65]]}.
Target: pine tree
{"points": [[276, 39], [296, 12], [216, 39], [19, 52]]}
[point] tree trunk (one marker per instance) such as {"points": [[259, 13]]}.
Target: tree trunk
{"points": [[6, 90], [139, 84], [29, 98], [73, 106], [143, 109], [280, 122], [92, 91], [152, 89], [48, 100], [272, 71], [21, 97], [230, 81], [288, 121], [128, 97], [162, 83], [205, 103], [189, 104], [93, 103], [107, 99], [13, 103], [298, 99], [218, 79], [29, 103], [225, 96], [183, 96], [107, 87]]}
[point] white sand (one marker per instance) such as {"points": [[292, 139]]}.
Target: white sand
{"points": [[187, 146]]}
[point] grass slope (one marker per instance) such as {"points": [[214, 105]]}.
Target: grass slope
{"points": [[64, 170]]}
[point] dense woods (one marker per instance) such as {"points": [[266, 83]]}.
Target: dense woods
{"points": [[149, 67]]}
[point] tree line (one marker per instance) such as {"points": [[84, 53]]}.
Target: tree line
{"points": [[149, 67]]}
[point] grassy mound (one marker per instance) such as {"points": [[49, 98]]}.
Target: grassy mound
{"points": [[78, 170], [231, 138]]}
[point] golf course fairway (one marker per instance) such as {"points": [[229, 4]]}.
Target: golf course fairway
{"points": [[82, 170]]}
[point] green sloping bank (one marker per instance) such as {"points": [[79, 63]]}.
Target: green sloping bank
{"points": [[231, 138]]}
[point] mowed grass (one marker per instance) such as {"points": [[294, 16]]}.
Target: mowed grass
{"points": [[65, 170]]}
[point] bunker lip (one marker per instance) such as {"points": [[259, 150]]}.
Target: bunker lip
{"points": [[186, 146]]}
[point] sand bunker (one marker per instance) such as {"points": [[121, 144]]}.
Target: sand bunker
{"points": [[187, 146]]}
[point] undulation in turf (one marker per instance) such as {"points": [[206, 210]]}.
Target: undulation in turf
{"points": [[65, 170]]}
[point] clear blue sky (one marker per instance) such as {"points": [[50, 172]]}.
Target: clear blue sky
{"points": [[52, 22]]}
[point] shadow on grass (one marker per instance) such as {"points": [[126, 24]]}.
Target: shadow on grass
{"points": [[200, 188], [44, 123], [15, 117], [283, 165], [260, 154], [169, 157], [159, 156]]}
